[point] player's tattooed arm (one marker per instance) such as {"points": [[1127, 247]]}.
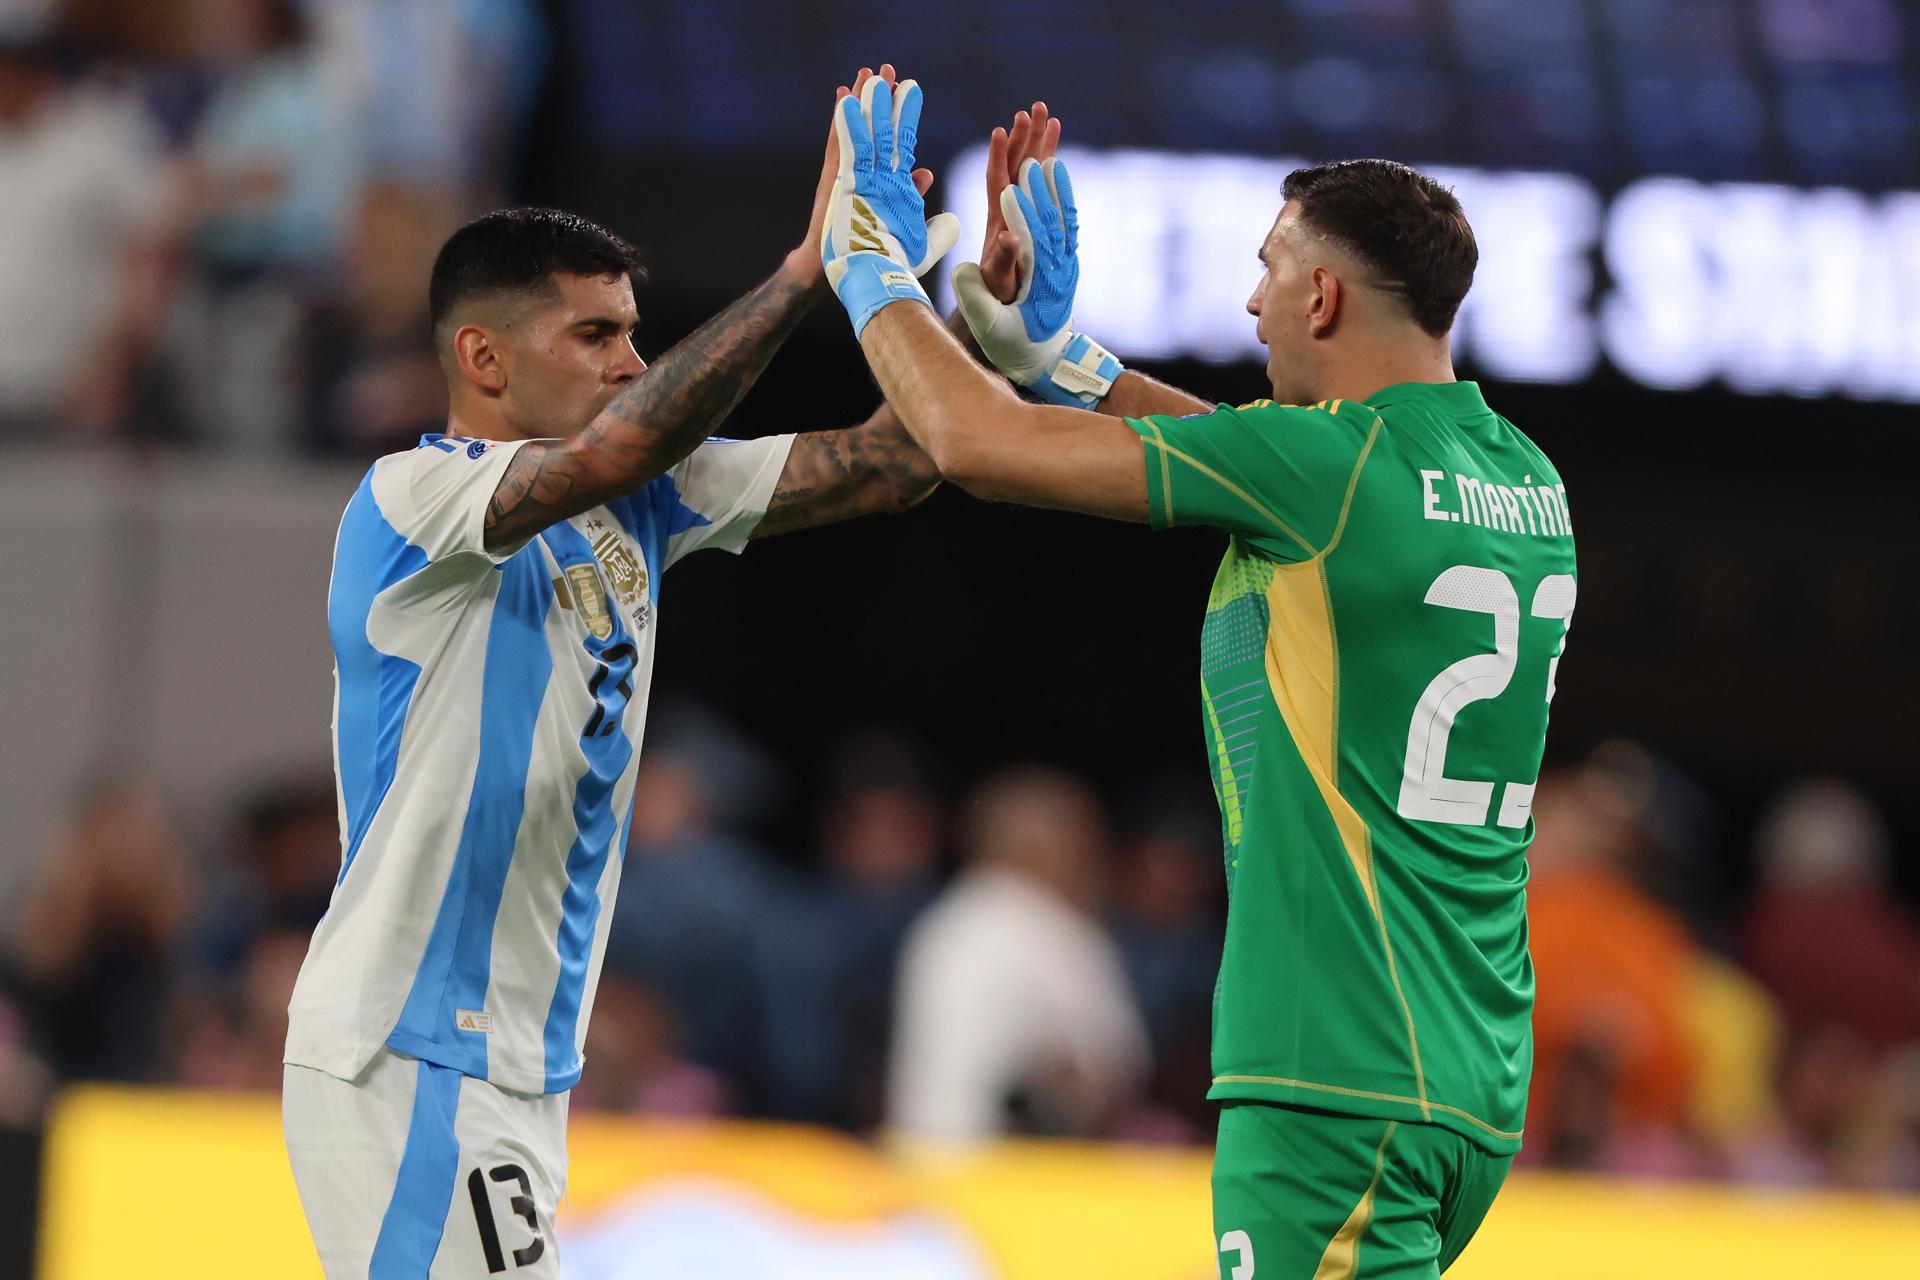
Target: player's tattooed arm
{"points": [[837, 475], [656, 421]]}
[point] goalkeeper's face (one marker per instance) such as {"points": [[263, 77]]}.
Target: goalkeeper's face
{"points": [[570, 354], [1286, 306]]}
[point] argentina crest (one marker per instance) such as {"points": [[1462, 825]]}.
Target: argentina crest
{"points": [[624, 568]]}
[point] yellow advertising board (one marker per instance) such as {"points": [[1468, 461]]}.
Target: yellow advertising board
{"points": [[162, 1184]]}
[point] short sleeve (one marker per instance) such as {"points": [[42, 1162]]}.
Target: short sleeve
{"points": [[1277, 475], [718, 494], [436, 496]]}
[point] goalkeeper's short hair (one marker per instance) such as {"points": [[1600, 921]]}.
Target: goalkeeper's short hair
{"points": [[1408, 228]]}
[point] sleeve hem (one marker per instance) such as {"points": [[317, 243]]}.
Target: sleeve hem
{"points": [[477, 534], [734, 537], [1159, 474]]}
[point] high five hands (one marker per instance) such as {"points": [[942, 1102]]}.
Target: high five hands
{"points": [[877, 241]]}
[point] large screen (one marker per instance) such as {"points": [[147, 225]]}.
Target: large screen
{"points": [[1675, 282], [1687, 193]]}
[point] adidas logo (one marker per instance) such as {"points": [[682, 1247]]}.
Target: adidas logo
{"points": [[473, 1020]]}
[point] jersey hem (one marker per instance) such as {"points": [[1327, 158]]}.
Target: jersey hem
{"points": [[1369, 1103], [476, 1063]]}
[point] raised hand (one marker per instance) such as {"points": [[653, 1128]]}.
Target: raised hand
{"points": [[1035, 135], [1029, 336], [877, 240], [807, 256]]}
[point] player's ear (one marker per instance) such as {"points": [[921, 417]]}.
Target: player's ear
{"points": [[481, 357], [1323, 303]]}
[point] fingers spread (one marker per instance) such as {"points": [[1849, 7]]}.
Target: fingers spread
{"points": [[854, 137], [1017, 142], [1038, 203], [876, 104], [1062, 187], [907, 101]]}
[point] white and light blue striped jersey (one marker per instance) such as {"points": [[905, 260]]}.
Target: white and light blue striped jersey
{"points": [[488, 710]]}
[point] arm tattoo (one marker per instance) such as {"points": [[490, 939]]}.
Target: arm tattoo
{"points": [[533, 493], [837, 475], [656, 421]]}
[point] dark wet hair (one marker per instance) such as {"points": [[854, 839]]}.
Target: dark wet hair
{"points": [[1408, 228], [519, 251]]}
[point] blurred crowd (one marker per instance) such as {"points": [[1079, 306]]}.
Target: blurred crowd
{"points": [[217, 220], [220, 214], [1023, 957]]}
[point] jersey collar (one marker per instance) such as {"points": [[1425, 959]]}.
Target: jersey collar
{"points": [[1461, 399]]}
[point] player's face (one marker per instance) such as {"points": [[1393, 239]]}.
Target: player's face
{"points": [[572, 357], [1281, 305]]}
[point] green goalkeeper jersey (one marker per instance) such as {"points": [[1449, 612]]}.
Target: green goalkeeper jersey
{"points": [[1377, 659]]}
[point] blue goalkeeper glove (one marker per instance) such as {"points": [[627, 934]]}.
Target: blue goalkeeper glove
{"points": [[878, 240], [1032, 340]]}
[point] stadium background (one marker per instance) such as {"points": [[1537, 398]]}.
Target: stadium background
{"points": [[1713, 248]]}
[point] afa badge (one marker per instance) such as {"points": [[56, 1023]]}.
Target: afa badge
{"points": [[628, 574]]}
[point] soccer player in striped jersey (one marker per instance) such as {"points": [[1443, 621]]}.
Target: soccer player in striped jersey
{"points": [[1376, 662], [493, 609]]}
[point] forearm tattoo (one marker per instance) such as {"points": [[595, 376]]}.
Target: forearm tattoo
{"points": [[652, 424], [837, 475]]}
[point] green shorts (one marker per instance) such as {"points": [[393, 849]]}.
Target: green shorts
{"points": [[1311, 1195]]}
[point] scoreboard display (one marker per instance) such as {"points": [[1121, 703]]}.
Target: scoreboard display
{"points": [[1682, 193]]}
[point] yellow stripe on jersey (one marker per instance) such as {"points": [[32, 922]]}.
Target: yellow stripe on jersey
{"points": [[1341, 1261], [1302, 661]]}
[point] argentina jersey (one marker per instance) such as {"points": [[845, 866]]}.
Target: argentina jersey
{"points": [[487, 720]]}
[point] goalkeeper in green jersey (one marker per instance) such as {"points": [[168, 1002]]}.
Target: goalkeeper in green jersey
{"points": [[1376, 665]]}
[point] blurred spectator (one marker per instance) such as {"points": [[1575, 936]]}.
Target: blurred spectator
{"points": [[274, 181], [373, 380], [1014, 1012], [1612, 1063], [1823, 931], [634, 1062], [26, 1082], [238, 1040], [274, 164], [692, 895], [1169, 927], [98, 935], [441, 89], [1842, 1122], [85, 243], [829, 947], [1676, 854], [1736, 1037], [282, 877]]}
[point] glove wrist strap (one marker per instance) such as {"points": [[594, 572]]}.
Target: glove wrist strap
{"points": [[871, 282], [1082, 376]]}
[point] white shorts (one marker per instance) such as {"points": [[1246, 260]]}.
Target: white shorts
{"points": [[418, 1172]]}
